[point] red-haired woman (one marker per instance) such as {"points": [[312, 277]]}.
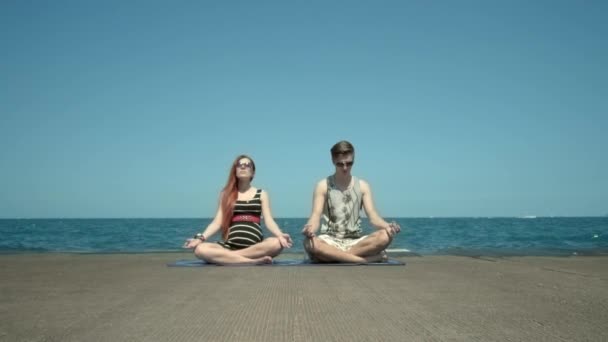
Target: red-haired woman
{"points": [[241, 207]]}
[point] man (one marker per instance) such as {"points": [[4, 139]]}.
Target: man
{"points": [[338, 200]]}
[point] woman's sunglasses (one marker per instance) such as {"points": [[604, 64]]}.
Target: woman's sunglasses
{"points": [[244, 165]]}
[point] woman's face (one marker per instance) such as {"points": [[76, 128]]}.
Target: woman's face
{"points": [[244, 168]]}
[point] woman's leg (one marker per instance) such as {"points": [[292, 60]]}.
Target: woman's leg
{"points": [[216, 254], [268, 247]]}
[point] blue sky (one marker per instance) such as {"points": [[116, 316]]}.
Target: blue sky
{"points": [[456, 108]]}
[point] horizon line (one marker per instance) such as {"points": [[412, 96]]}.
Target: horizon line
{"points": [[282, 218]]}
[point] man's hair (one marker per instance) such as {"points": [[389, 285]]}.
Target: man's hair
{"points": [[342, 148]]}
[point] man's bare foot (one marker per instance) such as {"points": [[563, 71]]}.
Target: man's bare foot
{"points": [[384, 256], [380, 257]]}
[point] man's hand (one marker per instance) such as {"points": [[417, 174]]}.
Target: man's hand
{"points": [[393, 228], [308, 231]]}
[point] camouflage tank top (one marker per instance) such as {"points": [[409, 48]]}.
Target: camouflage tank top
{"points": [[341, 213]]}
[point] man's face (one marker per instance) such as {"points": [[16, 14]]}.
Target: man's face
{"points": [[344, 163]]}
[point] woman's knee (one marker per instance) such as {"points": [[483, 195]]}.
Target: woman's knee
{"points": [[274, 245], [202, 250]]}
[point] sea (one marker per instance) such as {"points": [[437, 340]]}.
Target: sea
{"points": [[471, 236]]}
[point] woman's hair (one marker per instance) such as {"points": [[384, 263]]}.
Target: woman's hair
{"points": [[230, 194], [342, 148]]}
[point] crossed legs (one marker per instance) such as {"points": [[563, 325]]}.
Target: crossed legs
{"points": [[260, 253], [370, 249]]}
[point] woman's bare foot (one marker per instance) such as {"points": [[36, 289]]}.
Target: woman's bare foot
{"points": [[257, 261], [263, 260]]}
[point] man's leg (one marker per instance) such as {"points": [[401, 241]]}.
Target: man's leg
{"points": [[373, 244], [324, 252]]}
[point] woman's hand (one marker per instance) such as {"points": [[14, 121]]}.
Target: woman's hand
{"points": [[191, 243], [285, 240]]}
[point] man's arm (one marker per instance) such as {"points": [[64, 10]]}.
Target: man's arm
{"points": [[318, 201], [374, 218]]}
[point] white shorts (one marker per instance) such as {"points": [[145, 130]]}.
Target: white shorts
{"points": [[343, 244]]}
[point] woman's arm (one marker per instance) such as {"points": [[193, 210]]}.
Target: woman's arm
{"points": [[216, 224], [211, 228], [272, 226]]}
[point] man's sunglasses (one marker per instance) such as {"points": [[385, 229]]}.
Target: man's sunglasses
{"points": [[343, 164]]}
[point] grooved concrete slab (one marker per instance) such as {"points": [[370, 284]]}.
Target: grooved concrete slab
{"points": [[136, 297]]}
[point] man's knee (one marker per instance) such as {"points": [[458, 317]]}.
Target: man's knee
{"points": [[383, 238], [309, 244]]}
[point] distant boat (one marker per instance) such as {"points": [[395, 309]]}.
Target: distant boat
{"points": [[529, 216]]}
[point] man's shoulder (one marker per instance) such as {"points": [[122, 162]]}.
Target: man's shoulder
{"points": [[321, 185], [363, 185], [362, 181], [322, 182]]}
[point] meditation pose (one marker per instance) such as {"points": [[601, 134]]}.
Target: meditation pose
{"points": [[239, 214], [337, 201]]}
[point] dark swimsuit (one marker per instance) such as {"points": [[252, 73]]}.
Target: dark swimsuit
{"points": [[243, 234]]}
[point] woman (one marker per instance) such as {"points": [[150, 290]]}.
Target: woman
{"points": [[239, 213]]}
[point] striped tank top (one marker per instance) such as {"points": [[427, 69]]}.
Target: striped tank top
{"points": [[244, 234], [341, 214]]}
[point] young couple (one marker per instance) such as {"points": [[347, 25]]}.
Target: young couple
{"points": [[337, 202]]}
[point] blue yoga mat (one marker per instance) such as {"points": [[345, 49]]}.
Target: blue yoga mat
{"points": [[286, 262]]}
